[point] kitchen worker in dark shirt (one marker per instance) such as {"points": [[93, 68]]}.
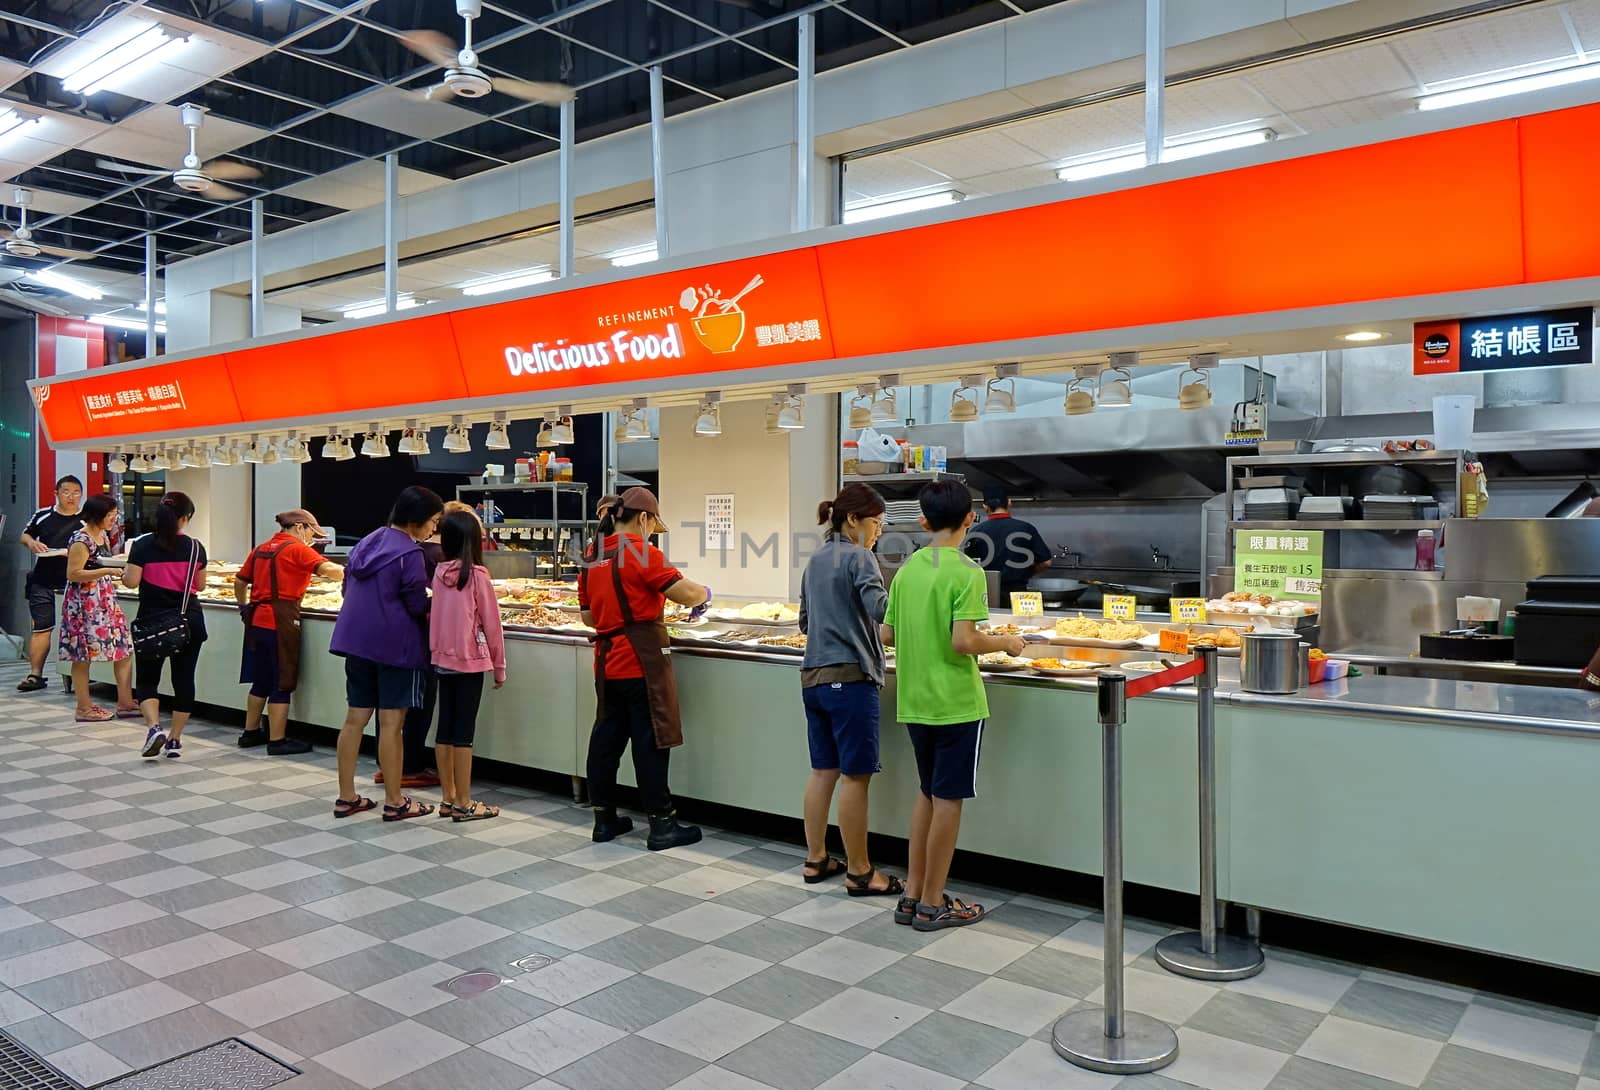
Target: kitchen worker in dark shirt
{"points": [[1008, 545], [48, 531]]}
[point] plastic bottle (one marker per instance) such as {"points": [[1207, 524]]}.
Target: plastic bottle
{"points": [[1425, 550]]}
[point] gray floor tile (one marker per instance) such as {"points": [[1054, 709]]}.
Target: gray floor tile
{"points": [[641, 949], [38, 936], [374, 965], [650, 869], [631, 1062], [350, 855], [880, 930], [484, 1016], [922, 981], [1303, 1074], [196, 896], [126, 941], [635, 1003], [338, 1022], [69, 989], [163, 1038], [526, 912], [765, 898], [472, 1069], [543, 874], [1256, 1021], [649, 905], [279, 926], [1056, 971], [953, 1046], [228, 976], [436, 879], [46, 1034], [83, 900], [500, 953], [1401, 1009], [1560, 1015], [791, 1058], [1591, 1064], [447, 852], [1467, 1069], [762, 863], [315, 888], [1031, 925], [770, 940], [402, 920], [781, 992]]}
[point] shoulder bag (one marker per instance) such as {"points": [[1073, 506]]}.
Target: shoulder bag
{"points": [[162, 633]]}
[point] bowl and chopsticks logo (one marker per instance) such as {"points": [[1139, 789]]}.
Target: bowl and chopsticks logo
{"points": [[718, 322]]}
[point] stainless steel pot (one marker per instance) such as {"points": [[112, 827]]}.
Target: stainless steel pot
{"points": [[1270, 662]]}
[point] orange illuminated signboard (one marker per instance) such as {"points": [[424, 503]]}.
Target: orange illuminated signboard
{"points": [[113, 401]]}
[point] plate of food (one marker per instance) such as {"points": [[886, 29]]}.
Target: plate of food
{"points": [[794, 644], [1031, 633], [1081, 631], [1052, 667], [1245, 604], [1227, 641], [771, 614], [998, 662]]}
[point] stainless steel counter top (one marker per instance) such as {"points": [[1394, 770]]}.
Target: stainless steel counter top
{"points": [[1400, 662]]}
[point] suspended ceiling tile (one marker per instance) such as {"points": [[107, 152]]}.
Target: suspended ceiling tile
{"points": [[1485, 45], [984, 151], [1212, 104], [10, 72], [1009, 181], [156, 136], [407, 112], [359, 185], [47, 203], [1585, 19], [881, 176], [1084, 130], [1360, 112], [1326, 78]]}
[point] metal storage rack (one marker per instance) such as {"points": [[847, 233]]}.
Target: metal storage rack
{"points": [[550, 538]]}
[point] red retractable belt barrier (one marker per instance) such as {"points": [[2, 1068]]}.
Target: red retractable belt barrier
{"points": [[1151, 682]]}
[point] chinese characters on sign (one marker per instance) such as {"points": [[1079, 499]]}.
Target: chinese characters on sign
{"points": [[1119, 607], [134, 401], [1283, 565], [790, 333], [1547, 339], [719, 521]]}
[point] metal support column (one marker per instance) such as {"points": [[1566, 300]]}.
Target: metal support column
{"points": [[391, 232], [1209, 954], [568, 150], [1155, 79], [150, 296], [1110, 1039], [258, 296], [658, 154], [805, 216]]}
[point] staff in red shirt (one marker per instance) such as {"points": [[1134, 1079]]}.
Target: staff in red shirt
{"points": [[622, 592], [268, 588]]}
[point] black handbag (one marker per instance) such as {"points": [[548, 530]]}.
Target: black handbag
{"points": [[162, 633]]}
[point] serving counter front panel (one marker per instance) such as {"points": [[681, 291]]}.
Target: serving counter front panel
{"points": [[1400, 812]]}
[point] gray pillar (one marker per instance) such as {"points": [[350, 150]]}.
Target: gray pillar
{"points": [[658, 159], [805, 124], [568, 149], [150, 296], [258, 298], [391, 231], [1155, 79]]}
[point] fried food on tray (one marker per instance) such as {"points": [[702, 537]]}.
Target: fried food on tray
{"points": [[538, 617], [1074, 665], [1087, 628], [1221, 639], [796, 640]]}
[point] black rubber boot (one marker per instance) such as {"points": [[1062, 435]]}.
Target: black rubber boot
{"points": [[667, 832], [608, 826]]}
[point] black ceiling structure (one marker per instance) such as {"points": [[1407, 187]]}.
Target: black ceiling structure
{"points": [[317, 56]]}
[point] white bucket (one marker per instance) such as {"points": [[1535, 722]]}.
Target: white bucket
{"points": [[1452, 421]]}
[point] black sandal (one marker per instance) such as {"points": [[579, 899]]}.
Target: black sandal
{"points": [[408, 808], [860, 885], [826, 867], [476, 811], [343, 808], [33, 683]]}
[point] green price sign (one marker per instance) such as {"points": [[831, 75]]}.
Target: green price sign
{"points": [[1286, 565]]}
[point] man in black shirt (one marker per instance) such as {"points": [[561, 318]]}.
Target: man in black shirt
{"points": [[1007, 545], [48, 532]]}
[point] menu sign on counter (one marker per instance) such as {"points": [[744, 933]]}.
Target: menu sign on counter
{"points": [[1119, 607], [1505, 342], [1283, 565], [1188, 610], [1027, 603]]}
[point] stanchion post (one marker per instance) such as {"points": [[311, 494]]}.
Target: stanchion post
{"points": [[1111, 1039], [1209, 954]]}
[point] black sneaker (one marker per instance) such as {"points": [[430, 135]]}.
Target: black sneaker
{"points": [[251, 738], [288, 747], [154, 742], [952, 913]]}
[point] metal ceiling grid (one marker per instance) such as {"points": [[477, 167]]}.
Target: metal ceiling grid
{"points": [[303, 89]]}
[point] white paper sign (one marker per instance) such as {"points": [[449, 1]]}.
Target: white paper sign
{"points": [[719, 520]]}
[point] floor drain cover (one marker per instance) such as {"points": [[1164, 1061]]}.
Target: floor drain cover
{"points": [[473, 983], [22, 1070], [533, 963], [227, 1065]]}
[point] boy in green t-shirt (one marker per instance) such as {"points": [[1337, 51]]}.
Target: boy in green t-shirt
{"points": [[935, 604]]}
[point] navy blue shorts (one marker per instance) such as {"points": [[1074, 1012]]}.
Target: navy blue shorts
{"points": [[260, 667], [369, 684], [947, 758], [842, 727]]}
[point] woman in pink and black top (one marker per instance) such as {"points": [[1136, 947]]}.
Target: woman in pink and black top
{"points": [[158, 566]]}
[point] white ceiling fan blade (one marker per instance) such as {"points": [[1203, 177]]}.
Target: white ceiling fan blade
{"points": [[230, 171], [128, 168], [216, 191], [553, 94], [439, 92], [62, 251], [432, 46]]}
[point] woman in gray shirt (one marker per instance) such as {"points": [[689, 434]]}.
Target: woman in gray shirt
{"points": [[842, 601]]}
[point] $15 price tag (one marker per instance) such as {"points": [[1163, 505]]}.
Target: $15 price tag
{"points": [[1027, 603], [1119, 607], [1189, 610]]}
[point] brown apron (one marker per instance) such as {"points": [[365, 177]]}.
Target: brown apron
{"points": [[652, 645], [286, 614]]}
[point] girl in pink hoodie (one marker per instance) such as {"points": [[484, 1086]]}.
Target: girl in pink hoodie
{"points": [[467, 642]]}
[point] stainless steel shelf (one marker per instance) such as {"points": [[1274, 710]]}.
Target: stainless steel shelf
{"points": [[900, 478], [1343, 524], [1352, 458], [526, 486]]}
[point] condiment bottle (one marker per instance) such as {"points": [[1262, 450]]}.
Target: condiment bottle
{"points": [[1425, 550]]}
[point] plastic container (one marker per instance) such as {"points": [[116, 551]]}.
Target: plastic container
{"points": [[850, 457], [1452, 421], [1427, 550], [561, 469], [1335, 669], [1317, 671]]}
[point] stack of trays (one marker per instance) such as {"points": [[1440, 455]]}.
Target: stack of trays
{"points": [[901, 511], [1270, 504], [1324, 508], [1399, 507]]}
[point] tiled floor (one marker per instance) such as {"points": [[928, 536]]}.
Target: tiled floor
{"points": [[150, 908]]}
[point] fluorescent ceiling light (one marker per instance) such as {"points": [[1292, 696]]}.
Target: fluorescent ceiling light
{"points": [[61, 282], [374, 307], [522, 278], [1362, 335], [161, 306], [1184, 146], [1500, 88], [633, 255], [13, 125], [120, 322], [876, 210], [130, 57]]}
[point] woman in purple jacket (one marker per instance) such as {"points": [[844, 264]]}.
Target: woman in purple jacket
{"points": [[382, 635]]}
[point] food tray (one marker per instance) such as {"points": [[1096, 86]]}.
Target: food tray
{"points": [[1088, 670], [731, 616], [1152, 642], [1090, 641]]}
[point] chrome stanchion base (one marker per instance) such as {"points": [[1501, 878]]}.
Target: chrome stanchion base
{"points": [[1235, 958], [1146, 1044]]}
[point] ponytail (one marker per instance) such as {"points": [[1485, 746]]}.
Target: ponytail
{"points": [[824, 512], [172, 510], [856, 499]]}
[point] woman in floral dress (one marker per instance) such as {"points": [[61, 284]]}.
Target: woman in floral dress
{"points": [[93, 626]]}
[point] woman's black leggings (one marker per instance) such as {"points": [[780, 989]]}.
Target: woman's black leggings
{"points": [[459, 695], [147, 676]]}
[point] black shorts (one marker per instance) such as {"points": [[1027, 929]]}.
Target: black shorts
{"points": [[41, 605], [369, 684], [947, 758], [259, 668]]}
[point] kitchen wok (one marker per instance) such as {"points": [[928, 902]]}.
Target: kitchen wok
{"points": [[1058, 592]]}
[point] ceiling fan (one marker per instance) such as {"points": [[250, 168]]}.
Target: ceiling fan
{"points": [[463, 77], [202, 179], [20, 241]]}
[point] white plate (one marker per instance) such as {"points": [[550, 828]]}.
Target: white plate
{"points": [[731, 616], [1090, 672], [1089, 641], [1002, 668]]}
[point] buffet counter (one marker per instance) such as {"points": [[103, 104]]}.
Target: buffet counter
{"points": [[1398, 804]]}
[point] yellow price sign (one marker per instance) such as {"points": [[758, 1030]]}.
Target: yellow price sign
{"points": [[1119, 607], [1189, 611], [1027, 603]]}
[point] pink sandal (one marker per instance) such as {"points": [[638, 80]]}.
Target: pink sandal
{"points": [[95, 714]]}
